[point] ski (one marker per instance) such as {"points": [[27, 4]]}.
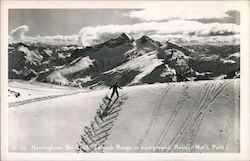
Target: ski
{"points": [[111, 104]]}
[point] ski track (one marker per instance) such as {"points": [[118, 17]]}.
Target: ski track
{"points": [[14, 104], [230, 121], [171, 119], [192, 124], [153, 117], [30, 89], [94, 137], [190, 127]]}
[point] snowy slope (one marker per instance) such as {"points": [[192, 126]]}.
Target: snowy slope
{"points": [[54, 122], [75, 66], [22, 92], [235, 57], [183, 114], [155, 63], [30, 56], [164, 115], [144, 63], [26, 61]]}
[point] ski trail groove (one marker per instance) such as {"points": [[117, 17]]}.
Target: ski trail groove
{"points": [[232, 115], [13, 104], [153, 117], [192, 124], [185, 124], [183, 127], [196, 125], [171, 119]]}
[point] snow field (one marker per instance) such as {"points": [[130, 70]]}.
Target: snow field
{"points": [[200, 116]]}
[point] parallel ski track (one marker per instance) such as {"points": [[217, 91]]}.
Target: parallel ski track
{"points": [[232, 116], [188, 131], [14, 104], [171, 119], [153, 117], [190, 127]]}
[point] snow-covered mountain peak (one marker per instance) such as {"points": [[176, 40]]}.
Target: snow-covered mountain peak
{"points": [[127, 37], [115, 42], [145, 39], [234, 56], [131, 61], [171, 45], [146, 44]]}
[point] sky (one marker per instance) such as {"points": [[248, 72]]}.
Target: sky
{"points": [[183, 25]]}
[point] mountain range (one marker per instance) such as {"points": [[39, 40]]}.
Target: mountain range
{"points": [[123, 59]]}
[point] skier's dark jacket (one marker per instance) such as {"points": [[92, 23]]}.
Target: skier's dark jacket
{"points": [[115, 86]]}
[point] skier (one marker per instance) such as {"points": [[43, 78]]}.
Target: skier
{"points": [[115, 86], [108, 107]]}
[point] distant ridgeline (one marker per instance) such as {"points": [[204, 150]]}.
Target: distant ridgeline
{"points": [[122, 59]]}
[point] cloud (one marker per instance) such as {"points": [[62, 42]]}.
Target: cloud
{"points": [[161, 31], [170, 12], [183, 12], [156, 14], [18, 35], [179, 31], [233, 16], [194, 40], [59, 40]]}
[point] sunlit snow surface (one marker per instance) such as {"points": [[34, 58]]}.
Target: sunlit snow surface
{"points": [[33, 91], [202, 115]]}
